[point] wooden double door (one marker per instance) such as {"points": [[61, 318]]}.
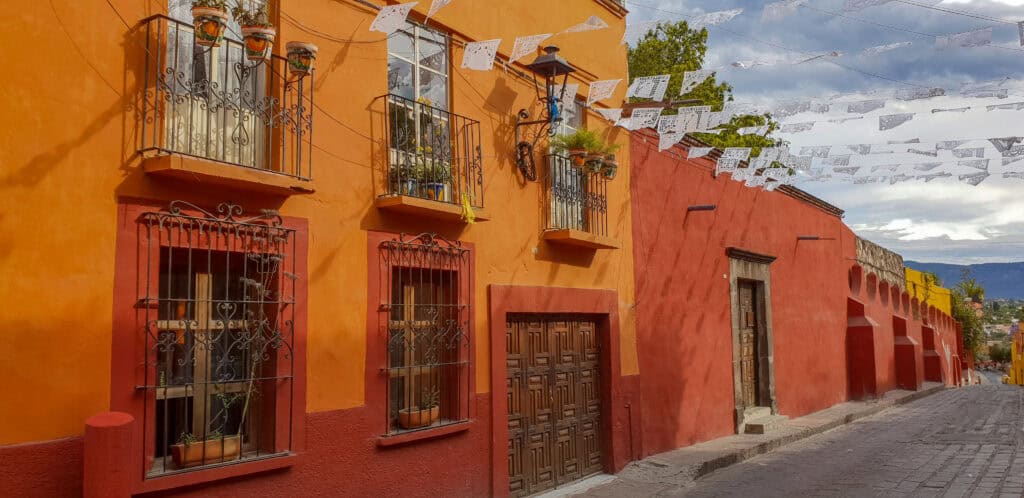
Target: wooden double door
{"points": [[554, 401]]}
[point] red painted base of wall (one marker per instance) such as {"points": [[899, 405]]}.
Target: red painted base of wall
{"points": [[50, 469], [909, 364], [342, 458]]}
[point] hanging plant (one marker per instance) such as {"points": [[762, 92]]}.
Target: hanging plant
{"points": [[610, 166], [577, 145], [258, 32], [300, 58], [210, 19]]}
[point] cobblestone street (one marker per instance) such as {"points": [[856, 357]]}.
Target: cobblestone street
{"points": [[960, 442]]}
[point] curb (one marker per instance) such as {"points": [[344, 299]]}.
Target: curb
{"points": [[738, 456]]}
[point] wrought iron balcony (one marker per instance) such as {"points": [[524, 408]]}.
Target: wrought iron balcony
{"points": [[215, 104], [577, 205], [432, 154]]}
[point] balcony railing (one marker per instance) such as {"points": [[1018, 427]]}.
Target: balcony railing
{"points": [[577, 198], [432, 153], [215, 104]]}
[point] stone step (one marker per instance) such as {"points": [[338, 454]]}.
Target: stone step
{"points": [[764, 425], [756, 412]]}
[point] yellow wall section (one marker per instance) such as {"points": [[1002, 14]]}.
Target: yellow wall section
{"points": [[939, 297], [67, 154]]}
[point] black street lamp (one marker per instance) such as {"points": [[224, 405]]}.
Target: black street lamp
{"points": [[550, 66]]}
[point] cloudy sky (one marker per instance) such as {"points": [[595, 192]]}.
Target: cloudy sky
{"points": [[943, 220]]}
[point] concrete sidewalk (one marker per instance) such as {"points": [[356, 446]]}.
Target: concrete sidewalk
{"points": [[668, 472]]}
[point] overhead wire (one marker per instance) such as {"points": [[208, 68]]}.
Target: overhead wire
{"points": [[956, 12], [891, 27], [783, 47]]}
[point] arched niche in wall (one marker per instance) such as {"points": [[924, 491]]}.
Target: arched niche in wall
{"points": [[915, 312], [905, 303], [871, 285], [883, 293], [856, 276], [895, 291]]}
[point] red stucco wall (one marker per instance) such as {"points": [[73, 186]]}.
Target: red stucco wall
{"points": [[683, 303]]}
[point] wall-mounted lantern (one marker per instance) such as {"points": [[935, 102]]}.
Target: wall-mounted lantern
{"points": [[550, 67]]}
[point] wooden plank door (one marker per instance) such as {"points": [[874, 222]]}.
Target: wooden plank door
{"points": [[554, 403], [748, 342]]}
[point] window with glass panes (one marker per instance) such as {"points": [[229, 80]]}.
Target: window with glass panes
{"points": [[418, 65]]}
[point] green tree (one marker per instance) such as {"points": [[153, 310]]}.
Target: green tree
{"points": [[674, 48], [970, 287], [999, 353], [970, 322]]}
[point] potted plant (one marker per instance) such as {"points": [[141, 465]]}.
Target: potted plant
{"points": [[426, 413], [576, 145], [300, 57], [405, 179], [610, 166], [191, 450], [436, 175], [257, 31], [210, 19]]}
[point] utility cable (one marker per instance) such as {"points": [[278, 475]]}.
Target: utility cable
{"points": [[783, 47], [956, 12]]}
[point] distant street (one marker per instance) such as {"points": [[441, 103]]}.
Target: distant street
{"points": [[993, 377], [960, 442]]}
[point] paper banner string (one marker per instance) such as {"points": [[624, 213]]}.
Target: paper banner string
{"points": [[916, 93], [638, 30], [600, 90], [860, 149], [526, 45], [880, 49], [949, 144], [827, 55], [741, 153], [670, 131], [975, 163], [1016, 152], [893, 120], [612, 115], [713, 18], [593, 23], [479, 55], [754, 180], [437, 5], [777, 11], [691, 79], [753, 130], [847, 170], [391, 17], [1016, 106], [649, 87], [973, 179], [816, 151], [976, 38], [926, 166], [726, 165], [696, 152], [958, 110], [843, 120], [921, 152], [645, 118], [1014, 174], [865, 106], [740, 174], [1020, 32], [568, 91], [843, 160], [971, 152], [797, 127]]}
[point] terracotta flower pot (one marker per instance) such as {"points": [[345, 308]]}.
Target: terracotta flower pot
{"points": [[300, 57], [204, 452], [594, 162], [414, 418], [209, 24], [578, 156], [259, 42]]}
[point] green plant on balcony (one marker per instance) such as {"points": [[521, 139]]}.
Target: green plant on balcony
{"points": [[258, 32], [609, 165], [210, 19], [577, 145]]}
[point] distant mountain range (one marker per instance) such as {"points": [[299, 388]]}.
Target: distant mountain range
{"points": [[1000, 280]]}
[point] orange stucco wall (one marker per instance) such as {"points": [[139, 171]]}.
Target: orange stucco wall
{"points": [[68, 154]]}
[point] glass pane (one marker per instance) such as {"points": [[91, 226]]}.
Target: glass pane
{"points": [[434, 89], [434, 50], [400, 44], [400, 78], [572, 116]]}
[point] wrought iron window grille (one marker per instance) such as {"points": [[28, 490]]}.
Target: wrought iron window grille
{"points": [[432, 153], [214, 104], [577, 198], [426, 308], [217, 300]]}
